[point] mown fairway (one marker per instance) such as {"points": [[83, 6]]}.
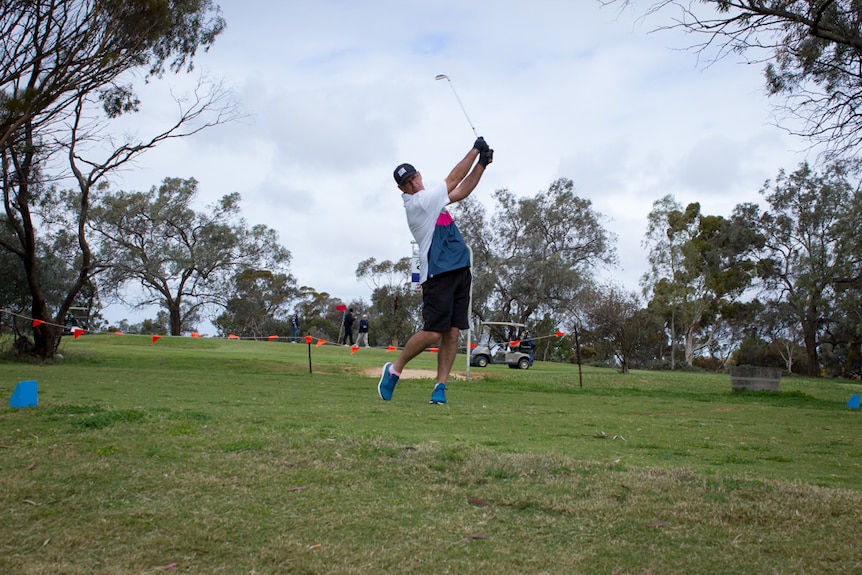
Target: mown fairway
{"points": [[218, 456]]}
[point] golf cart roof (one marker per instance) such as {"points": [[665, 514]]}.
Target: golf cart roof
{"points": [[507, 323]]}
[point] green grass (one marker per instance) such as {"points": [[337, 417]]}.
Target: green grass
{"points": [[220, 456]]}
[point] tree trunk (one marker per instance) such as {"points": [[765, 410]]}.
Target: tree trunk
{"points": [[672, 339], [810, 337], [788, 360], [176, 319], [689, 346], [45, 337]]}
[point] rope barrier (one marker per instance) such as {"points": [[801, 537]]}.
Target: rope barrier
{"points": [[308, 339]]}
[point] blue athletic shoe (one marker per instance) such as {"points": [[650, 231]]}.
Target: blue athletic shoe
{"points": [[387, 383], [439, 395]]}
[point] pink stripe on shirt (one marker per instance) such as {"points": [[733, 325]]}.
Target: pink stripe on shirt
{"points": [[444, 219]]}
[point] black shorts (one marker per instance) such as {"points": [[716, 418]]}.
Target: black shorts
{"points": [[446, 301]]}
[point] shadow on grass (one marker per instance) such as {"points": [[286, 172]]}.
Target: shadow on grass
{"points": [[98, 417], [797, 399]]}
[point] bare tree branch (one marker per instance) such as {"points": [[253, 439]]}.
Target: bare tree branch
{"points": [[811, 49]]}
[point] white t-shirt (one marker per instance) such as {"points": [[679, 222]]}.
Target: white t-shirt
{"points": [[441, 246]]}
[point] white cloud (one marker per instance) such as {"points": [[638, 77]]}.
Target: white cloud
{"points": [[337, 93]]}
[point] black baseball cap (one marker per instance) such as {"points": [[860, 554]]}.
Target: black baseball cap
{"points": [[403, 172]]}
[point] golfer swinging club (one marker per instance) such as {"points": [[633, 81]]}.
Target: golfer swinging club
{"points": [[444, 265]]}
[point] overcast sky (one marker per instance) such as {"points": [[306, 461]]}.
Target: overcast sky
{"points": [[337, 93]]}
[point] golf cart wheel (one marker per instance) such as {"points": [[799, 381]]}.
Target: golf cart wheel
{"points": [[482, 361], [524, 363]]}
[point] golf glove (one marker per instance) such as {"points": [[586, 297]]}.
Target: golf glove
{"points": [[486, 157], [480, 145]]}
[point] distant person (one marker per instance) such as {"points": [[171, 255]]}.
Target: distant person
{"points": [[294, 326], [444, 264], [362, 338], [348, 327]]}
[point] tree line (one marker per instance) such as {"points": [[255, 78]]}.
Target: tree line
{"points": [[67, 70], [778, 284], [771, 284]]}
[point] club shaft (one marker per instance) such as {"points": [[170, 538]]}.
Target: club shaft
{"points": [[462, 107]]}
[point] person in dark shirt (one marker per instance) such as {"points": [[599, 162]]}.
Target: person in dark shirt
{"points": [[348, 327], [362, 338]]}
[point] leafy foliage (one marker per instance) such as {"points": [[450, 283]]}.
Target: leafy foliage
{"points": [[184, 259], [259, 300], [620, 328], [811, 262], [62, 70], [535, 255], [396, 304], [699, 266]]}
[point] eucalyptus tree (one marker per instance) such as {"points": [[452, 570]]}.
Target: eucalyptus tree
{"points": [[812, 257], [67, 69], [669, 283], [616, 322], [700, 265], [536, 254], [319, 313], [395, 312], [182, 260], [782, 332], [257, 303], [845, 334]]}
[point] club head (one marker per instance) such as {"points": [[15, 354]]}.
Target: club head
{"points": [[441, 77]]}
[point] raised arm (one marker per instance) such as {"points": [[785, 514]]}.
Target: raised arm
{"points": [[461, 181]]}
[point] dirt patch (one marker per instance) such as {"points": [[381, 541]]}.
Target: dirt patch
{"points": [[423, 374]]}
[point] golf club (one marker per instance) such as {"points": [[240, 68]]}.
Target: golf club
{"points": [[445, 77]]}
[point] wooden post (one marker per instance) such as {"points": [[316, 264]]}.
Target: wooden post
{"points": [[578, 356]]}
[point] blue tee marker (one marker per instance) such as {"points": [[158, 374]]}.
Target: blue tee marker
{"points": [[25, 394], [854, 402]]}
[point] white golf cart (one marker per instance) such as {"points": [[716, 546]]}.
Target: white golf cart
{"points": [[493, 345], [77, 317]]}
